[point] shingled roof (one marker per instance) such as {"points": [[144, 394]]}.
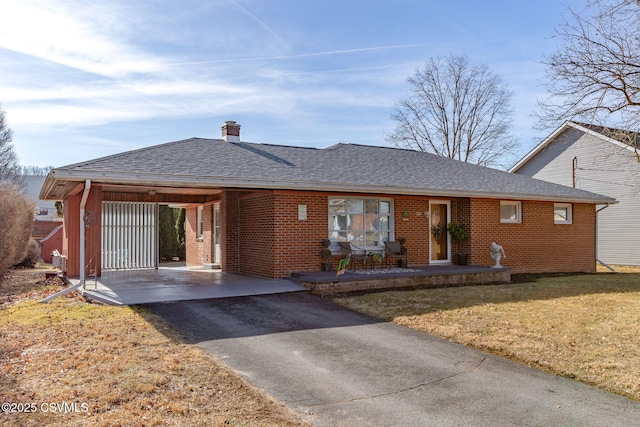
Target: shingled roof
{"points": [[216, 163]]}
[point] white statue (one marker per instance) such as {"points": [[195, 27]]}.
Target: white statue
{"points": [[497, 253]]}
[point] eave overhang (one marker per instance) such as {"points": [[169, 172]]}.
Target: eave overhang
{"points": [[60, 182]]}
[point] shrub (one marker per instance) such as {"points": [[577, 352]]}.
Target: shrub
{"points": [[34, 254], [16, 222]]}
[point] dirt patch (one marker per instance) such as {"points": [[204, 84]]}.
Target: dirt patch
{"points": [[580, 326], [104, 366]]}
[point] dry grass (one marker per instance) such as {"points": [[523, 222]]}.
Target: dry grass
{"points": [[127, 365], [580, 326], [619, 269]]}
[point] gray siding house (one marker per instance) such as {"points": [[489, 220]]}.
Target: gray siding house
{"points": [[603, 161]]}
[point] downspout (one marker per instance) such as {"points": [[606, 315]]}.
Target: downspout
{"points": [[598, 260], [83, 266], [83, 226]]}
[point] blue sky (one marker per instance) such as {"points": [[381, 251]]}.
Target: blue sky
{"points": [[84, 79]]}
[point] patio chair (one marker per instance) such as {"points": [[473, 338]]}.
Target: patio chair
{"points": [[394, 252], [348, 250]]}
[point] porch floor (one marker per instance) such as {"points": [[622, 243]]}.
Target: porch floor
{"points": [[326, 282], [129, 287]]}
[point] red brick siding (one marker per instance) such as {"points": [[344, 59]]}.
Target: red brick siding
{"points": [[461, 213], [255, 231], [298, 242], [415, 228], [198, 250], [262, 235], [229, 234], [537, 244]]}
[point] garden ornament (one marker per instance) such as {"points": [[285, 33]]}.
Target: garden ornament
{"points": [[497, 253]]}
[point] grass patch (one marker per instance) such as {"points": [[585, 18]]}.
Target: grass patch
{"points": [[125, 364], [579, 326]]}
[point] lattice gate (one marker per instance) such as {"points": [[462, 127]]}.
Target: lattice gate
{"points": [[129, 235]]}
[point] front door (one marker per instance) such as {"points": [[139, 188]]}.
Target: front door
{"points": [[439, 246]]}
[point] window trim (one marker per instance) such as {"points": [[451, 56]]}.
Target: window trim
{"points": [[200, 222], [518, 205], [569, 208]]}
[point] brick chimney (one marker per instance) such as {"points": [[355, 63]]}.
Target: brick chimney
{"points": [[231, 131]]}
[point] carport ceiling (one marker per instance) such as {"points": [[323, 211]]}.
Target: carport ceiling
{"points": [[114, 188]]}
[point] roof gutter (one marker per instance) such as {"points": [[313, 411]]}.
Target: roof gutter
{"points": [[189, 181]]}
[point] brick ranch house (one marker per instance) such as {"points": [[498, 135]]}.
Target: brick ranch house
{"points": [[262, 209]]}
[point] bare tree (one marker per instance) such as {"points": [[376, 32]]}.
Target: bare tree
{"points": [[35, 170], [594, 75], [9, 166], [458, 110]]}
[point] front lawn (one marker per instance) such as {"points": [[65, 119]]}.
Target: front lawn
{"points": [[74, 363], [585, 327]]}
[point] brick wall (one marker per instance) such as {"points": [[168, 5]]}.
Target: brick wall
{"points": [[229, 234], [262, 235], [537, 244], [298, 242], [198, 250], [415, 227], [256, 236]]}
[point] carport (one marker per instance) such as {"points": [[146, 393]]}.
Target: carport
{"points": [[167, 284]]}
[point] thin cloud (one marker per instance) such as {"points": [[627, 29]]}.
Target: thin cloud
{"points": [[259, 21], [302, 55], [59, 33]]}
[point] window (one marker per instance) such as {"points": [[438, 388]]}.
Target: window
{"points": [[562, 213], [510, 212], [200, 223], [365, 222]]}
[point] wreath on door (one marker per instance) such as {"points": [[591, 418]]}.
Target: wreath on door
{"points": [[436, 226]]}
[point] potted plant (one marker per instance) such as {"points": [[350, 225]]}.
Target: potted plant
{"points": [[325, 253], [459, 235]]}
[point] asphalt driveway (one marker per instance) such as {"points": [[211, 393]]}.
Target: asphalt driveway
{"points": [[336, 367]]}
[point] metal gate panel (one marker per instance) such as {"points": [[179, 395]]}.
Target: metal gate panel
{"points": [[129, 235]]}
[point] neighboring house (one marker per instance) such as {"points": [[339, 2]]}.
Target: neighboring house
{"points": [[52, 242], [264, 209], [46, 222], [599, 160], [44, 210]]}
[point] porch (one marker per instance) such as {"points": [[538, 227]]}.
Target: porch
{"points": [[326, 282], [168, 284]]}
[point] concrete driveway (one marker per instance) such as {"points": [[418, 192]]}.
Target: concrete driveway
{"points": [[127, 287], [336, 367]]}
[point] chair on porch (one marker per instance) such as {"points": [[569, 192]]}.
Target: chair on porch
{"points": [[394, 253], [351, 252]]}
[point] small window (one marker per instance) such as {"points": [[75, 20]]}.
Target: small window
{"points": [[562, 213], [200, 223], [510, 212]]}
